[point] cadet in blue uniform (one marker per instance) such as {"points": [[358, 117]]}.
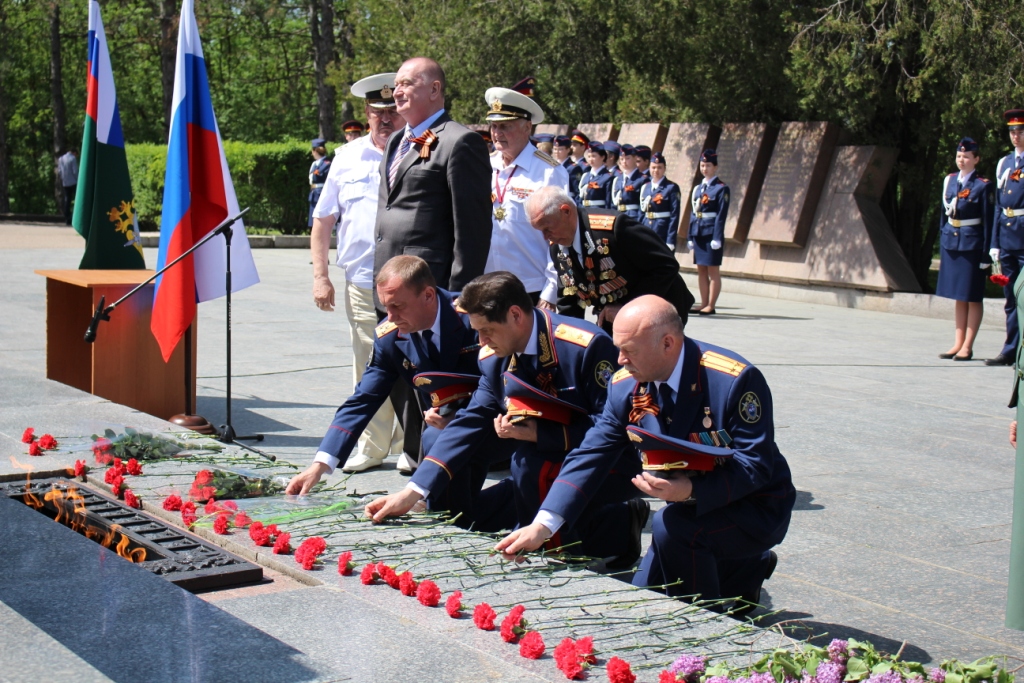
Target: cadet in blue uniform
{"points": [[965, 229], [423, 334], [1008, 229], [626, 188], [611, 162], [643, 159], [318, 171], [709, 207], [660, 202], [569, 360], [595, 190], [716, 533], [562, 151]]}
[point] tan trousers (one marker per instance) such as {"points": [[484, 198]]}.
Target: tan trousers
{"points": [[383, 435]]}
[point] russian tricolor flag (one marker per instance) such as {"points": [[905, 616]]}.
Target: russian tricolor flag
{"points": [[198, 195]]}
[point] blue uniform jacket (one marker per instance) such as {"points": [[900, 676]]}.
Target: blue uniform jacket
{"points": [[626, 193], [397, 357], [1008, 230], [596, 188], [318, 176], [754, 488], [709, 211], [576, 359], [661, 209], [575, 171], [970, 205]]}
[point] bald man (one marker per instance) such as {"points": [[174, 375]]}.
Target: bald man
{"points": [[716, 533]]}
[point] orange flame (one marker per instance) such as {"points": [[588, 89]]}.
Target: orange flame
{"points": [[19, 466], [30, 498], [137, 555]]}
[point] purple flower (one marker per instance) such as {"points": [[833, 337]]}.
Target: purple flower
{"points": [[689, 665], [887, 677], [837, 650], [937, 675], [765, 677], [717, 679], [831, 672]]}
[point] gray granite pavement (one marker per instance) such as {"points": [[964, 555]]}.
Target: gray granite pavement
{"points": [[902, 524]]}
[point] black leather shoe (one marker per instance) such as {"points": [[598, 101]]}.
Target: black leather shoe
{"points": [[711, 312], [946, 356], [748, 602], [1001, 359], [967, 357], [639, 511]]}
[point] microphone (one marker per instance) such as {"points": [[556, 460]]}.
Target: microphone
{"points": [[100, 314]]}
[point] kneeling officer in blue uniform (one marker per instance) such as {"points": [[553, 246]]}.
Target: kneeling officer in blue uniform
{"points": [[716, 534], [544, 378], [423, 339]]}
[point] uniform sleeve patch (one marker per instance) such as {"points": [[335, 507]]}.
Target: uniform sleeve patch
{"points": [[601, 221], [546, 158], [485, 352], [603, 373], [385, 328], [716, 361], [750, 408], [620, 375], [573, 335]]}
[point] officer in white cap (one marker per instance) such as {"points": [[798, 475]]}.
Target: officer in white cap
{"points": [[519, 170]]}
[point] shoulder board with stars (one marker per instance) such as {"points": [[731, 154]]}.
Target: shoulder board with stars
{"points": [[385, 328], [716, 361], [573, 335], [546, 158], [601, 221], [620, 375], [485, 352]]}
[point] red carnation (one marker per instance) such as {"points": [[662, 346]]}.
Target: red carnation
{"points": [[999, 279], [211, 507], [585, 649], [116, 484], [282, 545], [568, 660], [407, 584], [133, 467], [47, 442], [428, 593], [484, 616], [34, 449], [203, 477], [188, 513], [667, 677], [513, 625], [172, 503], [259, 534], [131, 500], [345, 564], [101, 450], [273, 530], [28, 436], [309, 550], [368, 575], [80, 468], [619, 671], [220, 525], [229, 505], [453, 605], [531, 645], [387, 575], [242, 520]]}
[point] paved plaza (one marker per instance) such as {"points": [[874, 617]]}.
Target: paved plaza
{"points": [[901, 530]]}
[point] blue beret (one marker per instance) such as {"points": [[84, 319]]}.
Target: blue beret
{"points": [[643, 151], [967, 145], [657, 158], [612, 146], [563, 141], [710, 156], [316, 142], [544, 137]]}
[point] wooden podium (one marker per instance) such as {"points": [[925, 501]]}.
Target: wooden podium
{"points": [[124, 364]]}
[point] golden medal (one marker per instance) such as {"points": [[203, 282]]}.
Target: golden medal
{"points": [[499, 213], [707, 418]]}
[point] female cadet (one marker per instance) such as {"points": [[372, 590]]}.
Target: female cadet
{"points": [[596, 183], [964, 232], [659, 202], [709, 206], [317, 175]]}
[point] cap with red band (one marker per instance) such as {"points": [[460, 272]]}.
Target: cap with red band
{"points": [[661, 452], [526, 400]]}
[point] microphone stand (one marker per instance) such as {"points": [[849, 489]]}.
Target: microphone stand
{"points": [[226, 433]]}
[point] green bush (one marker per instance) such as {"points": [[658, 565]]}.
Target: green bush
{"points": [[272, 178]]}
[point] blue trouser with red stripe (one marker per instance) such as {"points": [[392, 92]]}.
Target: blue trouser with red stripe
{"points": [[710, 555], [602, 529]]}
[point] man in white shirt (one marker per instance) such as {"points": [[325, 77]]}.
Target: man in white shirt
{"points": [[349, 199], [519, 169]]}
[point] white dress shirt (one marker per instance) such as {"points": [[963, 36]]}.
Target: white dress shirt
{"points": [[516, 246]]}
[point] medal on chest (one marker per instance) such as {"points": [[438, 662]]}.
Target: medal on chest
{"points": [[499, 194]]}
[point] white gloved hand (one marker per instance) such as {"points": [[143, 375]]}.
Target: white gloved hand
{"points": [[983, 266], [689, 245], [994, 253], [715, 244]]}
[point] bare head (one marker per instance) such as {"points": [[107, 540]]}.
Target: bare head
{"points": [[552, 211], [419, 89], [407, 291], [649, 334], [500, 310]]}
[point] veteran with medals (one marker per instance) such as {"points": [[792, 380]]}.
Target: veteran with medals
{"points": [[700, 419], [604, 259], [519, 170]]}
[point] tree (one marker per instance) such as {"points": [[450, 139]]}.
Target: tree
{"points": [[321, 29], [60, 119]]}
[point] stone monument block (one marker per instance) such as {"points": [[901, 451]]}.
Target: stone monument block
{"points": [[600, 131], [650, 134], [683, 145], [744, 150], [793, 184], [551, 129]]}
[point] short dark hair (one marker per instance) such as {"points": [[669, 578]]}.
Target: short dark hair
{"points": [[493, 294], [411, 270]]}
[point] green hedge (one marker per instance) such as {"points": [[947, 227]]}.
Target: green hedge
{"points": [[271, 178]]}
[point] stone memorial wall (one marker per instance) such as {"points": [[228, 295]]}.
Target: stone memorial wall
{"points": [[744, 150], [650, 134], [551, 129], [600, 131], [683, 145]]}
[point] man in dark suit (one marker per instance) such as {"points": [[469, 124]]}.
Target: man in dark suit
{"points": [[604, 259], [435, 197]]}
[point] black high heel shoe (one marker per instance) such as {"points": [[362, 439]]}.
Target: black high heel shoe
{"points": [[967, 357], [947, 356]]}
